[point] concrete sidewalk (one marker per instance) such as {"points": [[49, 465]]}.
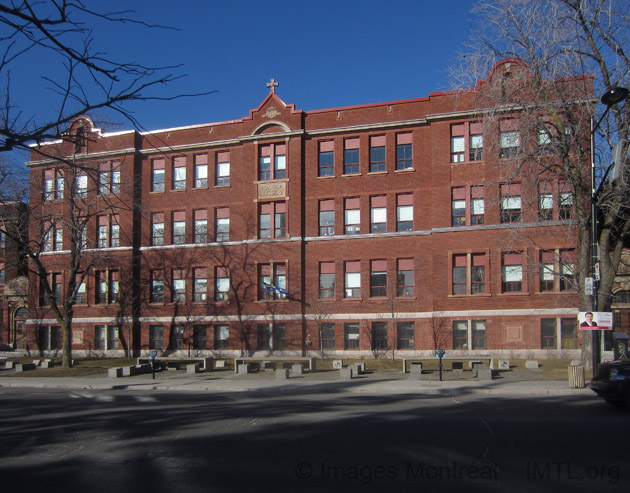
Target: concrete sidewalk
{"points": [[379, 382]]}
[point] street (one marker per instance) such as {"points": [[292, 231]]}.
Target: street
{"points": [[99, 441]]}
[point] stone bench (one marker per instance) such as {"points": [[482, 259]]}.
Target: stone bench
{"points": [[115, 372], [47, 364], [482, 372], [20, 367], [297, 369], [243, 368], [192, 368], [346, 373], [282, 373], [532, 364], [415, 369], [220, 363]]}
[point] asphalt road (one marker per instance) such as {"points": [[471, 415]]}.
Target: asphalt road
{"points": [[118, 441]]}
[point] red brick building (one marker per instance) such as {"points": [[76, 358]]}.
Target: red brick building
{"points": [[348, 230]]}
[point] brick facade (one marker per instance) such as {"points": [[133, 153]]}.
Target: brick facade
{"points": [[359, 219]]}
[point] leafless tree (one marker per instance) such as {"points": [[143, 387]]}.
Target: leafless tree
{"points": [[566, 45], [62, 32], [441, 334]]}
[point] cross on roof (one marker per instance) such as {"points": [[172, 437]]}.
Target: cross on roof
{"points": [[272, 84]]}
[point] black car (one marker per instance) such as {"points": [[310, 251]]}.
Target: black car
{"points": [[612, 383]]}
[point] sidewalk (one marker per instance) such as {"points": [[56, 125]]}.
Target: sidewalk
{"points": [[378, 382]]}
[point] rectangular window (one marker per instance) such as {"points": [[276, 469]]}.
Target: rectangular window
{"points": [[222, 224], [327, 334], [568, 333], [378, 214], [405, 277], [509, 138], [326, 160], [351, 156], [101, 287], [466, 142], [49, 337], [404, 212], [157, 286], [156, 337], [511, 272], [222, 284], [201, 226], [263, 337], [114, 286], [545, 201], [114, 232], [326, 217], [352, 275], [547, 270], [405, 335], [104, 173], [478, 334], [568, 261], [48, 186], [109, 178], [221, 337], [157, 229], [200, 284], [467, 205], [176, 341], [272, 281], [352, 216], [377, 154], [223, 168], [378, 278], [460, 334], [272, 220], [103, 232], [200, 170], [179, 173], [80, 298], [511, 203], [327, 280], [279, 336], [60, 184], [81, 186], [404, 151], [157, 175], [179, 228], [105, 337], [351, 335], [276, 154], [178, 294], [469, 273], [548, 333], [565, 202], [199, 337], [379, 335]]}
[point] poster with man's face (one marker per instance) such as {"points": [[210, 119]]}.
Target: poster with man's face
{"points": [[595, 320]]}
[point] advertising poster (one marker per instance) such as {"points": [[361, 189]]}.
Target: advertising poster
{"points": [[595, 320]]}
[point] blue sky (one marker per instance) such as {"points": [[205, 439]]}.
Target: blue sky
{"points": [[324, 53]]}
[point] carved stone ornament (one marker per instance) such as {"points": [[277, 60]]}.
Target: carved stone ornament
{"points": [[271, 112], [274, 190]]}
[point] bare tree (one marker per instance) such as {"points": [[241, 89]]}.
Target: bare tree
{"points": [[62, 32], [440, 331], [568, 47], [89, 82]]}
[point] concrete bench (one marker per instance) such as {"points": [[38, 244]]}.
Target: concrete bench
{"points": [[20, 367], [483, 372], [297, 369], [282, 373], [346, 373], [268, 365], [192, 368], [47, 364], [532, 364], [9, 365], [415, 369], [243, 368], [220, 363], [114, 372]]}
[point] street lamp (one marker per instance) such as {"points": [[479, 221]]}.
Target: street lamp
{"points": [[611, 97]]}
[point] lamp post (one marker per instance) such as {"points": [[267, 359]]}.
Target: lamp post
{"points": [[610, 98]]}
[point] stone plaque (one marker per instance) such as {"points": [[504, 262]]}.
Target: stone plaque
{"points": [[274, 190]]}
